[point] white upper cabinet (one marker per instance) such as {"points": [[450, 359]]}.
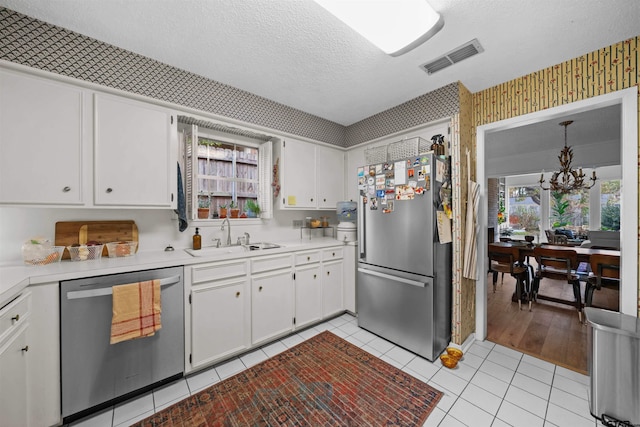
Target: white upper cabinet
{"points": [[41, 137], [297, 174], [134, 151], [329, 177], [57, 148], [311, 176]]}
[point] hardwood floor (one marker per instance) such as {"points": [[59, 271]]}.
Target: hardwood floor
{"points": [[550, 331]]}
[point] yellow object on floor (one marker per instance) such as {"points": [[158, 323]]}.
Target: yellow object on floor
{"points": [[136, 310]]}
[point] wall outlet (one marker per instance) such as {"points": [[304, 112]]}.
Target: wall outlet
{"points": [[297, 223]]}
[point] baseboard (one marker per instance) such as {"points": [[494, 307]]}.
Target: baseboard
{"points": [[466, 344]]}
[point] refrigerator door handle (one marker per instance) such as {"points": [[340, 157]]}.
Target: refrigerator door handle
{"points": [[394, 278], [361, 230]]}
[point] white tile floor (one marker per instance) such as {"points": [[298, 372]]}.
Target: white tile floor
{"points": [[492, 385]]}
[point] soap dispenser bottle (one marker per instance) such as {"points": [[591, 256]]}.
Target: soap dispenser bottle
{"points": [[197, 240]]}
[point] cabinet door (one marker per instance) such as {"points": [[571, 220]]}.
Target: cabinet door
{"points": [[349, 277], [271, 305], [332, 288], [298, 174], [135, 153], [308, 287], [13, 377], [219, 321], [44, 355], [329, 177], [40, 141]]}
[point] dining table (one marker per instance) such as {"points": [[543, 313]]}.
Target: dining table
{"points": [[584, 253], [584, 256]]}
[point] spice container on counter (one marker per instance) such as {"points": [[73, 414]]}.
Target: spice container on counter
{"points": [[324, 221]]}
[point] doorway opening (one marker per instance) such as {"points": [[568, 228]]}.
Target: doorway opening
{"points": [[627, 100]]}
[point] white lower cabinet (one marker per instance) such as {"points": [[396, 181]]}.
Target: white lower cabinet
{"points": [[44, 356], [332, 281], [13, 377], [271, 305], [332, 302], [308, 290], [240, 304], [30, 359], [220, 312]]}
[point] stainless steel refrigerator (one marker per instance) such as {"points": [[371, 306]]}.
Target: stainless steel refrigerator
{"points": [[404, 271]]}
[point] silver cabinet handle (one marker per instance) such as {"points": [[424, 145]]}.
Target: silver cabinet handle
{"points": [[16, 318], [25, 348], [109, 190], [66, 189], [393, 278]]}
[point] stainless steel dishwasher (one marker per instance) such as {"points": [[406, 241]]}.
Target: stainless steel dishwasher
{"points": [[96, 374]]}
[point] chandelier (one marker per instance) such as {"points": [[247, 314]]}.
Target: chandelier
{"points": [[567, 179]]}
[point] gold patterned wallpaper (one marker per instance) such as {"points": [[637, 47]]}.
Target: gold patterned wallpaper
{"points": [[597, 73]]}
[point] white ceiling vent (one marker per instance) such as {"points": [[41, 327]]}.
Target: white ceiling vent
{"points": [[456, 55]]}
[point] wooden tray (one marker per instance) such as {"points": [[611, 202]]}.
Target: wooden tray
{"points": [[81, 232]]}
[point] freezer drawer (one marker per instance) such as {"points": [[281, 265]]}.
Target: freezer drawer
{"points": [[400, 308]]}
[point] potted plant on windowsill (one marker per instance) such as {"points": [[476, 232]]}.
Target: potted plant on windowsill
{"points": [[235, 211], [252, 208], [223, 211], [203, 208]]}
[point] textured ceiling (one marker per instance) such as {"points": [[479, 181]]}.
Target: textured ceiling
{"points": [[295, 53]]}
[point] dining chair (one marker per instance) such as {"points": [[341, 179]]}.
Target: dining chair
{"points": [[507, 259], [556, 239], [557, 264], [551, 237], [605, 273]]}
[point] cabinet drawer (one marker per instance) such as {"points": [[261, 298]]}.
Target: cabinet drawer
{"points": [[307, 257], [219, 270], [273, 262], [14, 314], [332, 253]]}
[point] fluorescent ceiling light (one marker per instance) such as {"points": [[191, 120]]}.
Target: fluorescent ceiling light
{"points": [[395, 26]]}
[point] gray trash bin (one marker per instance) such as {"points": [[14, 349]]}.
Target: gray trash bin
{"points": [[614, 365]]}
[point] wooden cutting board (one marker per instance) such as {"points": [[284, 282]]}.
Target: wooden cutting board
{"points": [[80, 232]]}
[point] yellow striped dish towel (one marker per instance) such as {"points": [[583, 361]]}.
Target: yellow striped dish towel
{"points": [[136, 310]]}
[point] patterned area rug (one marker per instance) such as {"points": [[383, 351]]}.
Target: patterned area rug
{"points": [[324, 381]]}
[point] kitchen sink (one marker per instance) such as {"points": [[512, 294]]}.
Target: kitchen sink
{"points": [[226, 250], [261, 246], [214, 251]]}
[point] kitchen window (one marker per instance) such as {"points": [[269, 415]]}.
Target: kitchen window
{"points": [[226, 174]]}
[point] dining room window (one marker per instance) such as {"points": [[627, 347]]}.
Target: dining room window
{"points": [[570, 211], [610, 205], [524, 210]]}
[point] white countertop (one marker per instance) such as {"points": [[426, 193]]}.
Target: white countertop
{"points": [[15, 278]]}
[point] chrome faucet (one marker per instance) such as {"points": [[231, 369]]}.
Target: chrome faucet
{"points": [[228, 230], [246, 238]]}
